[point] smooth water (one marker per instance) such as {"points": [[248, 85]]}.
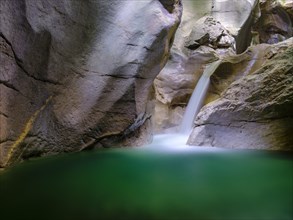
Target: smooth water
{"points": [[153, 182], [197, 98]]}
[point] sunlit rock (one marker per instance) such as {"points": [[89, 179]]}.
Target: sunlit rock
{"points": [[209, 29], [190, 54], [234, 67], [212, 29], [237, 16], [255, 111], [76, 74]]}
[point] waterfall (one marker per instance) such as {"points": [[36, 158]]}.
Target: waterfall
{"points": [[197, 98]]}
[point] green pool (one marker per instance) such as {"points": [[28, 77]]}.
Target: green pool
{"points": [[151, 184]]}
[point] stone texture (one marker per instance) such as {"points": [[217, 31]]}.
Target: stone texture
{"points": [[211, 29], [275, 23], [237, 16], [288, 6], [234, 67], [76, 74], [256, 111], [227, 24], [174, 85]]}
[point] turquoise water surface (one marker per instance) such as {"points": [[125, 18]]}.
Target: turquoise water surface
{"points": [[151, 184]]}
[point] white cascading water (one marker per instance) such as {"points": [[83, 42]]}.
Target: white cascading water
{"points": [[197, 98], [177, 142]]}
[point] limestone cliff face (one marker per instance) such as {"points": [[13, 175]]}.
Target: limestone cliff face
{"points": [[209, 30], [256, 111], [76, 74]]}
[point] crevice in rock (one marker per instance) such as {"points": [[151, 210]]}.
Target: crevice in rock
{"points": [[139, 121], [136, 63], [19, 62], [216, 124], [4, 115], [6, 140], [111, 112], [169, 4], [133, 45], [77, 73], [123, 77], [265, 120], [10, 86], [58, 11], [261, 121], [115, 136], [148, 49]]}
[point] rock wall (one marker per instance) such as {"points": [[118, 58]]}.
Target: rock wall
{"points": [[76, 75], [275, 22], [175, 83], [237, 16], [255, 111], [215, 29]]}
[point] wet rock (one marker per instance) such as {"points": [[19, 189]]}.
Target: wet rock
{"points": [[176, 82], [256, 111], [76, 74], [209, 29], [234, 67]]}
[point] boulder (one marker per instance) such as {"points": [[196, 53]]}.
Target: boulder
{"points": [[255, 111], [237, 16], [76, 75], [209, 32]]}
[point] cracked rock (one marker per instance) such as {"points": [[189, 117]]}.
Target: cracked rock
{"points": [[73, 73], [255, 111]]}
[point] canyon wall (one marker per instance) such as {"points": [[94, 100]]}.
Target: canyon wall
{"points": [[209, 30], [243, 45], [76, 75], [256, 110]]}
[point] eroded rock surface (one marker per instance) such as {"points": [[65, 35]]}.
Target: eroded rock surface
{"points": [[76, 74], [275, 22], [237, 16], [256, 111], [211, 30], [189, 56]]}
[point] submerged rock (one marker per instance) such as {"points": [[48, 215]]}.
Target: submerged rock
{"points": [[76, 74], [256, 111]]}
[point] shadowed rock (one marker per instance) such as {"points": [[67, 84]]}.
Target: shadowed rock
{"points": [[274, 24], [76, 74]]}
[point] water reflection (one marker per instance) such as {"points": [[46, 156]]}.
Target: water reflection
{"points": [[151, 183]]}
